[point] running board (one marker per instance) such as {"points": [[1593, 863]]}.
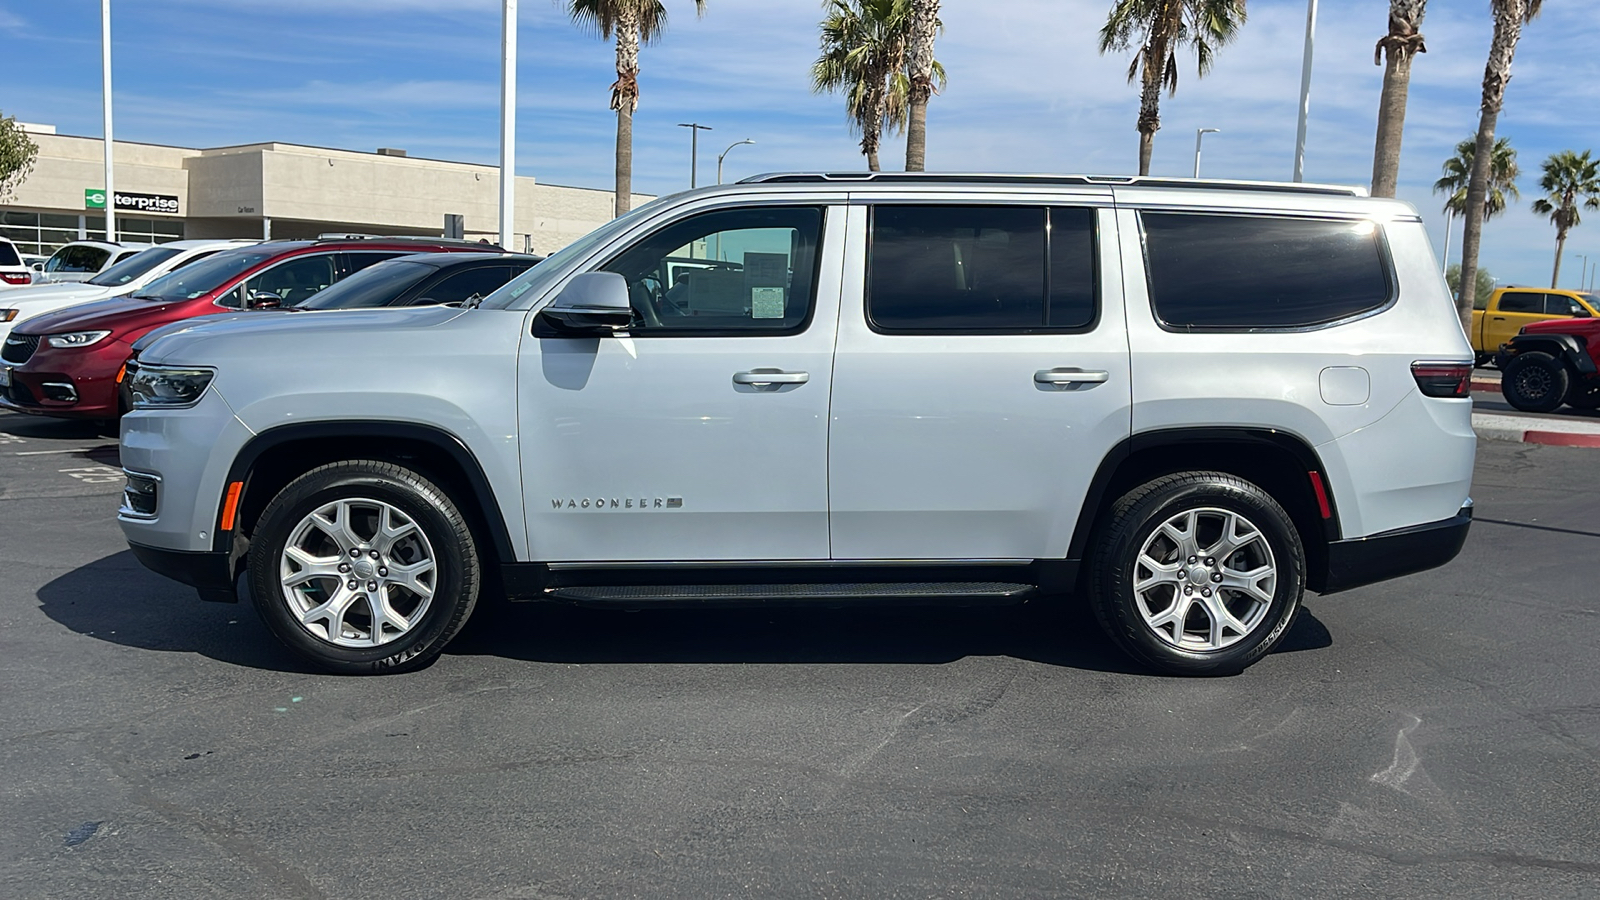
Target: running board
{"points": [[957, 593]]}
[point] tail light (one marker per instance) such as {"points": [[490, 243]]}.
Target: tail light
{"points": [[16, 277], [1443, 379]]}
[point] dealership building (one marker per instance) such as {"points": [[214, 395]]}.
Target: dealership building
{"points": [[274, 190]]}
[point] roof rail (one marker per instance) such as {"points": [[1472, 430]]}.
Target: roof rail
{"points": [[403, 238], [1027, 179]]}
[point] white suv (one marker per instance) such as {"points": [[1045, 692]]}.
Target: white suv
{"points": [[1187, 401]]}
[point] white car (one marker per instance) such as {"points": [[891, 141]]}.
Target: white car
{"points": [[121, 279], [82, 260], [14, 270]]}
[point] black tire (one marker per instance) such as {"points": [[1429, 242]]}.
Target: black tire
{"points": [[1135, 519], [1584, 395], [456, 575], [1534, 381]]}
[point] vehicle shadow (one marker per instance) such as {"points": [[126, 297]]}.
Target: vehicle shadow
{"points": [[49, 429], [115, 599]]}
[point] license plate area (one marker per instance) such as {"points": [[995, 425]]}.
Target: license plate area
{"points": [[5, 376]]}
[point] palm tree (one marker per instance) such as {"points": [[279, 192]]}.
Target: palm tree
{"points": [[631, 22], [1568, 178], [1158, 28], [1509, 17], [864, 57], [924, 26], [1503, 174], [1401, 44]]}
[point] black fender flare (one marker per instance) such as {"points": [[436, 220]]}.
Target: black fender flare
{"points": [[451, 445], [1569, 348]]}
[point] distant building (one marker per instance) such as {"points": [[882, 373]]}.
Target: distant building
{"points": [[274, 190]]}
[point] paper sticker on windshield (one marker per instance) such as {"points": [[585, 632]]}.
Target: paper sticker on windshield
{"points": [[766, 303]]}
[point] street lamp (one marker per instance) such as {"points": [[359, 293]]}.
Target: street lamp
{"points": [[694, 147], [725, 153], [1305, 92], [1200, 133], [105, 102], [508, 121], [1583, 274]]}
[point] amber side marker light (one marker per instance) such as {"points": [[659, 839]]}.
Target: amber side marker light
{"points": [[230, 505], [122, 373]]}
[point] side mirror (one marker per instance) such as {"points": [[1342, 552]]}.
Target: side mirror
{"points": [[38, 267], [265, 300], [594, 303]]}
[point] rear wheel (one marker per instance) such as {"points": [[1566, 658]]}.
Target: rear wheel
{"points": [[1198, 573], [364, 567], [1534, 381]]}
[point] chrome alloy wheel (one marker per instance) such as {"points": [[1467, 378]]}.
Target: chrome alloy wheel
{"points": [[1205, 579], [357, 573]]}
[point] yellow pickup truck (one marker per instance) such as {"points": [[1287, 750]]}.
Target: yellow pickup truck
{"points": [[1498, 319]]}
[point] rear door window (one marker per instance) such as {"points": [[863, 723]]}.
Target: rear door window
{"points": [[1522, 302], [981, 269], [1210, 272]]}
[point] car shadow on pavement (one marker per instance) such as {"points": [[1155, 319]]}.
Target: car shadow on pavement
{"points": [[50, 429], [115, 599]]}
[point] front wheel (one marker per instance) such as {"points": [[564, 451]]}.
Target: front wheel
{"points": [[364, 567], [1533, 381], [1197, 573]]}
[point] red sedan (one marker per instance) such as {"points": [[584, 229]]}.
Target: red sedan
{"points": [[68, 363]]}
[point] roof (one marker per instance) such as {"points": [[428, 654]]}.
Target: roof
{"points": [[1025, 179]]}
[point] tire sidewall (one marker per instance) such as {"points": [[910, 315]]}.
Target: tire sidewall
{"points": [[1115, 569], [1511, 385], [455, 583]]}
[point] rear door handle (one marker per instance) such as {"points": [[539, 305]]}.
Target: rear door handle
{"points": [[1070, 376], [764, 377]]}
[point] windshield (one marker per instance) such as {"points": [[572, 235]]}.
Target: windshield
{"points": [[553, 265], [134, 266], [1592, 299], [373, 286], [204, 277]]}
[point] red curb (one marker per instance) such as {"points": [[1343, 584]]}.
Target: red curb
{"points": [[1561, 438], [1487, 387]]}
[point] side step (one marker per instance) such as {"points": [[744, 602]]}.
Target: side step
{"points": [[958, 593]]}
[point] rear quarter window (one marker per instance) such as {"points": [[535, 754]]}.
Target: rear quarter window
{"points": [[1211, 272]]}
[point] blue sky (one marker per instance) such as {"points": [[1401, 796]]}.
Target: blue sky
{"points": [[1027, 92]]}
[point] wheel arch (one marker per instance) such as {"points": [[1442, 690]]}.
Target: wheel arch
{"points": [[1279, 463], [275, 457], [1569, 348]]}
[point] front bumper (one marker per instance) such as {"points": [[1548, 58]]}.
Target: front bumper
{"points": [[67, 383], [208, 571], [1391, 554]]}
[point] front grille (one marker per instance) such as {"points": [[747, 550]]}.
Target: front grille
{"points": [[19, 348]]}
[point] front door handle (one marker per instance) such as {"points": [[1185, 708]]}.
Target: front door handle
{"points": [[765, 377], [1070, 376]]}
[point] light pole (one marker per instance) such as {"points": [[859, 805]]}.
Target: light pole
{"points": [[1200, 133], [725, 153], [1449, 215], [1305, 93], [694, 147], [105, 100], [1583, 274], [508, 121]]}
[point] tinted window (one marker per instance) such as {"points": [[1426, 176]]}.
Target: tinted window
{"points": [[1562, 305], [731, 271], [132, 267], [8, 254], [981, 269], [1521, 302], [1249, 272], [79, 258], [355, 262], [189, 282], [477, 281], [375, 286], [293, 281]]}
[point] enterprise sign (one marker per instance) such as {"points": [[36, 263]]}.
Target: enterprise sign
{"points": [[95, 198]]}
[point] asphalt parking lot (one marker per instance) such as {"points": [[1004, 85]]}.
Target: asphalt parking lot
{"points": [[1436, 736]]}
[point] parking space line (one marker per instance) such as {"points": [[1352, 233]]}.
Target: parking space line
{"points": [[43, 452]]}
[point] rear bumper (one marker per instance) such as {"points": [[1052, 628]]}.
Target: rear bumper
{"points": [[1391, 554], [207, 571]]}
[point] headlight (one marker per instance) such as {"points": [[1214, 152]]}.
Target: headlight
{"points": [[166, 387], [6, 315], [75, 339]]}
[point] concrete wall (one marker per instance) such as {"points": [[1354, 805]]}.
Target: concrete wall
{"points": [[227, 191]]}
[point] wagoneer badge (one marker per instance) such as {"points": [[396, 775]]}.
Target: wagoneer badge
{"points": [[616, 503]]}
